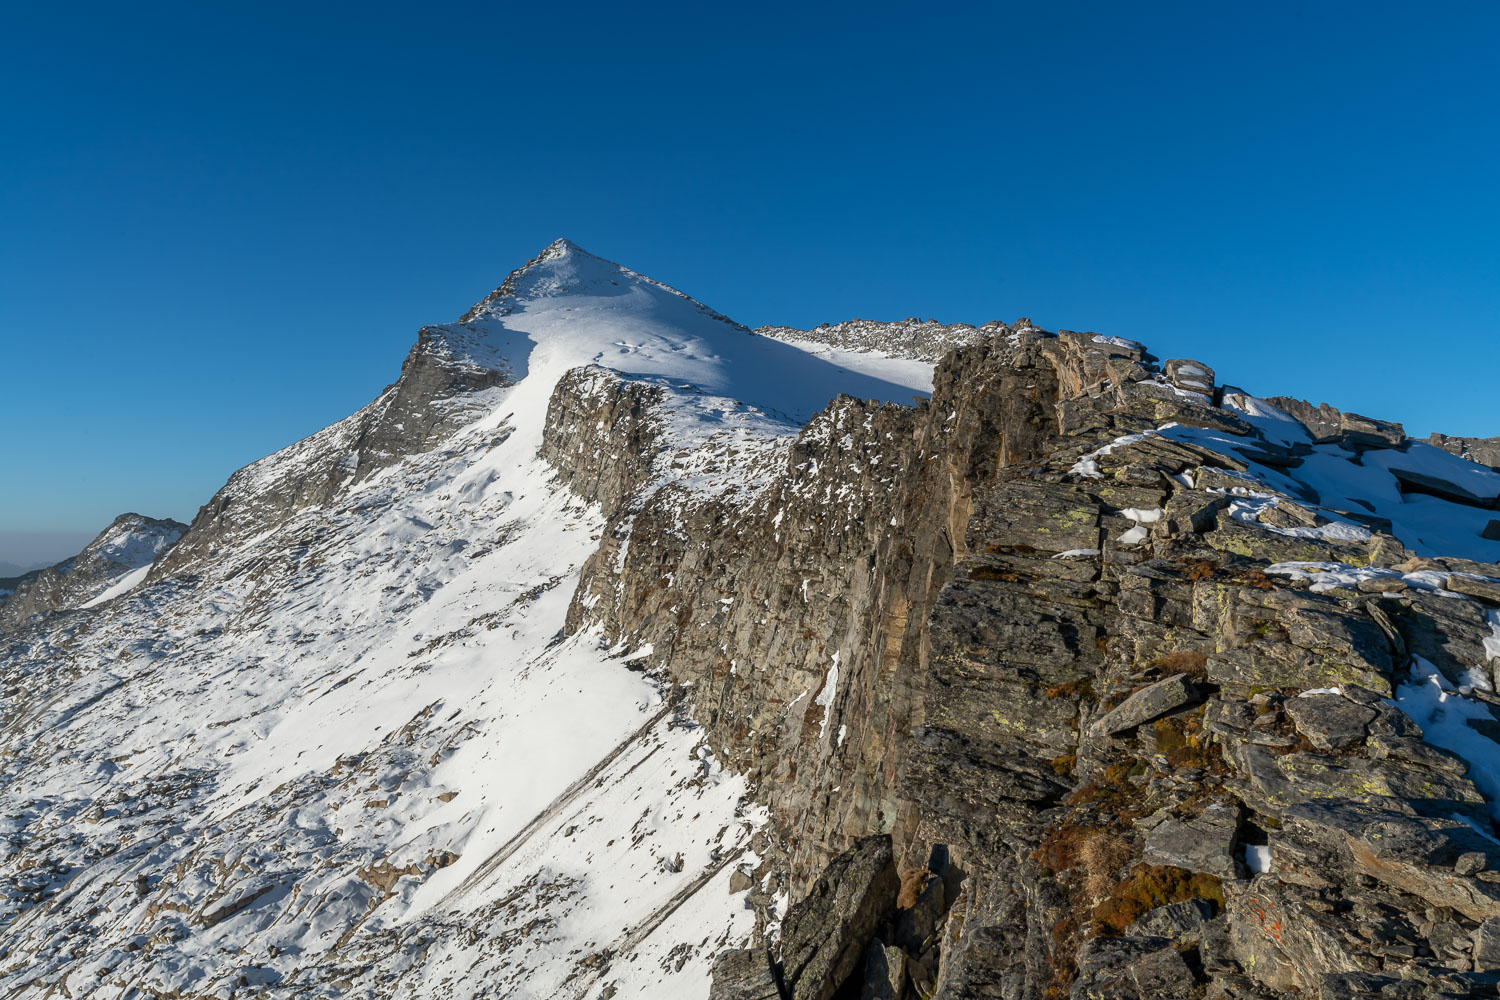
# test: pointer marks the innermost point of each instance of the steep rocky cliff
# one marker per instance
(1125, 666)
(608, 653)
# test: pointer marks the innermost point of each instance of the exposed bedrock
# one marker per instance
(1055, 681)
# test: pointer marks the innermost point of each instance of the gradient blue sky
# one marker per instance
(220, 228)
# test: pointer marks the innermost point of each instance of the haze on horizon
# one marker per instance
(223, 234)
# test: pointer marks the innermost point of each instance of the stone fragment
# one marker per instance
(1162, 974)
(1485, 589)
(1202, 844)
(1487, 946)
(1329, 721)
(1370, 432)
(744, 974)
(1191, 376)
(1145, 705)
(825, 935)
(1182, 922)
(1287, 514)
(1491, 531)
(1471, 863)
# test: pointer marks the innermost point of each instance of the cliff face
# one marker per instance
(1134, 711)
(603, 656)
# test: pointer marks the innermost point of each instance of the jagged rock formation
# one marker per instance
(1483, 451)
(1069, 625)
(110, 564)
(1087, 676)
(922, 339)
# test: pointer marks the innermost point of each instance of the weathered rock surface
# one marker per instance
(1482, 451)
(1020, 638)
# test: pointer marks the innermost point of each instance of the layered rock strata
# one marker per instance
(1118, 748)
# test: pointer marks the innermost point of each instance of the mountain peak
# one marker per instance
(560, 247)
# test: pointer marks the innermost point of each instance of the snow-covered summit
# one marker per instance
(567, 308)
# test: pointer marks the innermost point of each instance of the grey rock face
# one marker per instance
(1483, 451)
(825, 935)
(1016, 680)
(1202, 844)
(924, 340)
(1089, 729)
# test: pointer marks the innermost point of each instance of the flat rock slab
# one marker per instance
(1202, 844)
(1145, 705)
(1485, 589)
(1329, 721)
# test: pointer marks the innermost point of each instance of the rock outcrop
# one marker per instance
(1023, 627)
(1483, 451)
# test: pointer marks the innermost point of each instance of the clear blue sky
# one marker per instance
(221, 225)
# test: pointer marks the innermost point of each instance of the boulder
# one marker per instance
(1202, 844)
(1145, 705)
(825, 935)
(1190, 376)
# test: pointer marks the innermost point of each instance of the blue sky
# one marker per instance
(220, 227)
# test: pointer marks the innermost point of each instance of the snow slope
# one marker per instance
(351, 754)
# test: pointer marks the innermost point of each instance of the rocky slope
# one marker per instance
(114, 562)
(605, 649)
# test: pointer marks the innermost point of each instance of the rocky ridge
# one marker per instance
(1112, 682)
(922, 339)
(131, 543)
(1088, 676)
